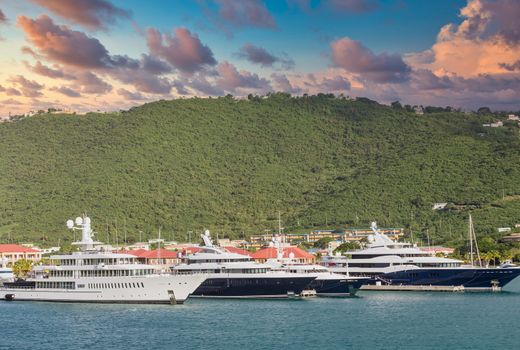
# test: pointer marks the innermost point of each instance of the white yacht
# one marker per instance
(234, 275)
(404, 264)
(90, 275)
(6, 273)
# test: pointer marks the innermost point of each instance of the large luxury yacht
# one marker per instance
(400, 263)
(234, 275)
(91, 275)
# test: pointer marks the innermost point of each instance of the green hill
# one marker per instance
(231, 165)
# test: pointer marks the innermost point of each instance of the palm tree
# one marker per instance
(486, 258)
(22, 267)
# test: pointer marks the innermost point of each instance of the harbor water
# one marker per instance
(374, 320)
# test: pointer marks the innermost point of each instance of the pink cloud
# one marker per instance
(93, 14)
(231, 79)
(66, 91)
(183, 50)
(261, 56)
(129, 95)
(3, 18)
(61, 44)
(42, 69)
(352, 56)
(246, 13)
(29, 88)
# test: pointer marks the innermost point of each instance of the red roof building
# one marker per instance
(294, 253)
(154, 257)
(11, 253)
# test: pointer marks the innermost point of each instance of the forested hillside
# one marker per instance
(230, 165)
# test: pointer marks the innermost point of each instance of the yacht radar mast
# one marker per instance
(206, 237)
(83, 224)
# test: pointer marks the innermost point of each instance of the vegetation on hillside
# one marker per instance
(230, 165)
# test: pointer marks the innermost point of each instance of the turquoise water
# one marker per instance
(375, 320)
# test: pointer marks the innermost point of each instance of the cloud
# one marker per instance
(487, 41)
(334, 84)
(352, 56)
(245, 13)
(29, 88)
(144, 81)
(184, 50)
(92, 14)
(231, 79)
(281, 83)
(42, 69)
(353, 6)
(66, 91)
(261, 56)
(154, 65)
(3, 18)
(11, 101)
(201, 84)
(424, 79)
(61, 44)
(26, 50)
(515, 66)
(91, 83)
(129, 95)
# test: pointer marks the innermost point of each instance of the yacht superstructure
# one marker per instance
(6, 273)
(234, 275)
(404, 264)
(90, 275)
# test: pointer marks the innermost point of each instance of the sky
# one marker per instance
(102, 55)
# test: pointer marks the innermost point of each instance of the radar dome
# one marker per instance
(79, 221)
(70, 224)
(87, 220)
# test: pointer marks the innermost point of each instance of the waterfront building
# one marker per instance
(346, 235)
(11, 253)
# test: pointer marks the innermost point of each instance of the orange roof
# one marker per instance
(237, 250)
(15, 248)
(162, 253)
(191, 250)
(271, 253)
(140, 253)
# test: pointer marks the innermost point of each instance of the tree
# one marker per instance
(347, 246)
(322, 243)
(396, 105)
(484, 110)
(22, 267)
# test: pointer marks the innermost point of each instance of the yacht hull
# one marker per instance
(335, 287)
(164, 289)
(478, 278)
(252, 287)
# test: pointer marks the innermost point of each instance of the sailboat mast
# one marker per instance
(471, 239)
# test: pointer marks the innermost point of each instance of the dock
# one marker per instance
(426, 288)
